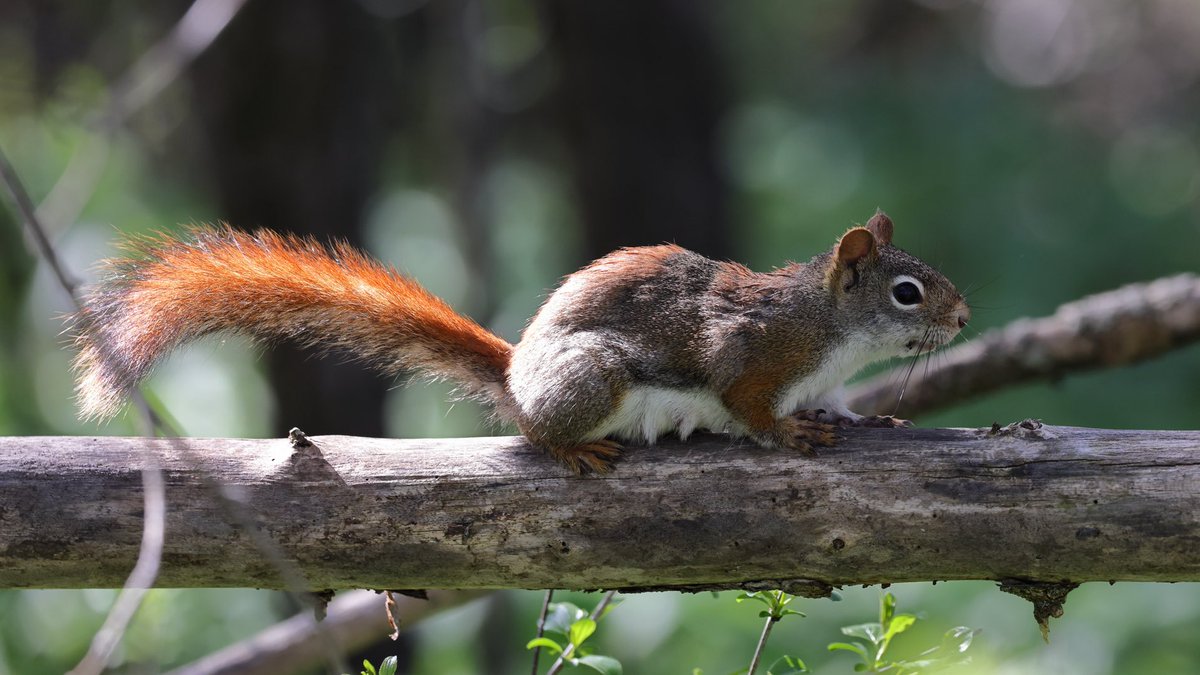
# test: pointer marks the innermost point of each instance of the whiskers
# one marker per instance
(911, 368)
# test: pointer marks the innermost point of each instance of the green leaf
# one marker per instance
(581, 630)
(953, 647)
(871, 632)
(757, 596)
(899, 624)
(960, 637)
(368, 668)
(918, 665)
(561, 616)
(792, 666)
(605, 665)
(791, 611)
(847, 647)
(388, 667)
(887, 608)
(544, 642)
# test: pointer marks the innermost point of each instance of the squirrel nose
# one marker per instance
(963, 314)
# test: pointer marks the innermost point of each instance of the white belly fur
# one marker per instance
(647, 412)
(824, 387)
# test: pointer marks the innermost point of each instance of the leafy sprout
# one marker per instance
(876, 637)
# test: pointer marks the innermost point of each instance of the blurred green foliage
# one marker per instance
(1033, 170)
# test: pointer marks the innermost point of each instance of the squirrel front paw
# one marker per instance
(853, 420)
(798, 433)
(880, 422)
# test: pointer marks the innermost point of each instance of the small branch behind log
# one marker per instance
(354, 620)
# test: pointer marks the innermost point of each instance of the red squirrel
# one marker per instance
(642, 342)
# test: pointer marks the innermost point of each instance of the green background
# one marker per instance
(1035, 151)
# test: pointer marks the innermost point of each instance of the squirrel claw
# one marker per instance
(594, 457)
(844, 421)
(802, 434)
(879, 422)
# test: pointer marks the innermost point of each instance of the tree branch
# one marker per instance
(354, 620)
(1029, 502)
(1130, 324)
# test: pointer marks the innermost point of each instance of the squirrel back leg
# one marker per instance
(593, 457)
(563, 391)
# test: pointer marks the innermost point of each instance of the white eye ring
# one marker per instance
(903, 278)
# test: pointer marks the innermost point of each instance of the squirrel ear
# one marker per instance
(880, 226)
(857, 244)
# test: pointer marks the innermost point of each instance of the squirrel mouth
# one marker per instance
(923, 346)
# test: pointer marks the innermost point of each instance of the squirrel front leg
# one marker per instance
(751, 398)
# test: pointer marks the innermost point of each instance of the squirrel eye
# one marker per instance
(906, 293)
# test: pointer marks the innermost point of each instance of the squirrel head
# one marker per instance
(904, 305)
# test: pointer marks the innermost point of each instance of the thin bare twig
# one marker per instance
(594, 616)
(37, 231)
(762, 642)
(772, 619)
(158, 67)
(140, 579)
(28, 215)
(541, 627)
(145, 571)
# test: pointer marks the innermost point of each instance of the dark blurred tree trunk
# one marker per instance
(17, 267)
(641, 95)
(290, 99)
(466, 137)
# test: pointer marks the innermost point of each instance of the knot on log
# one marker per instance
(298, 438)
(1028, 429)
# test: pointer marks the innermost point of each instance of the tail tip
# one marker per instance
(97, 396)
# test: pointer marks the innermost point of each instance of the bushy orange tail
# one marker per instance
(270, 287)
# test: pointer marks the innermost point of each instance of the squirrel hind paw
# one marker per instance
(593, 457)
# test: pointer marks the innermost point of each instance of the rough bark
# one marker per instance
(1039, 503)
(1119, 327)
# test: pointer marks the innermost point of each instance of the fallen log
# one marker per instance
(1026, 501)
